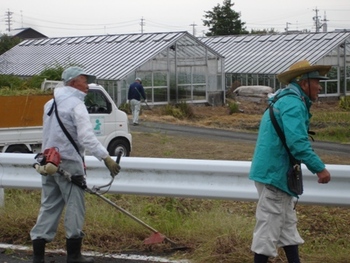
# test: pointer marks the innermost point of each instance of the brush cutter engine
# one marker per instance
(48, 161)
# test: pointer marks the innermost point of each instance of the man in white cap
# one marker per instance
(68, 108)
(276, 221)
(136, 93)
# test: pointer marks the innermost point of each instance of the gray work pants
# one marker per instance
(57, 193)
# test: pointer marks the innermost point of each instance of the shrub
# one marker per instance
(52, 73)
(180, 111)
(344, 103)
(186, 109)
(10, 81)
(125, 107)
(168, 109)
(13, 82)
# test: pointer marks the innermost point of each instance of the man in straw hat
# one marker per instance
(276, 221)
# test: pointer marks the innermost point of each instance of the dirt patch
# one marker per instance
(248, 118)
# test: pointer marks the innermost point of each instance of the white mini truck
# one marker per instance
(109, 123)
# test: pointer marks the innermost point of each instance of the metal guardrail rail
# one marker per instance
(189, 178)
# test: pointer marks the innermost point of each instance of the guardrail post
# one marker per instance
(2, 197)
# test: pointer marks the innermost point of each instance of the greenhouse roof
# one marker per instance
(109, 57)
(272, 54)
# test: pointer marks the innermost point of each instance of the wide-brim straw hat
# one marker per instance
(302, 67)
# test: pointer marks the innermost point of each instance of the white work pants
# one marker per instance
(135, 109)
(276, 221)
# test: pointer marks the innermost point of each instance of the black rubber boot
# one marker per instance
(74, 252)
(39, 250)
(259, 258)
(292, 253)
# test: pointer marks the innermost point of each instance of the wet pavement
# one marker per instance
(10, 255)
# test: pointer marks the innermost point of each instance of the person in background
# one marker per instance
(135, 95)
(57, 191)
(276, 221)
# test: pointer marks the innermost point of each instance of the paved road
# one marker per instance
(217, 134)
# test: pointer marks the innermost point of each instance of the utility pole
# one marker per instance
(21, 19)
(317, 21)
(287, 26)
(142, 23)
(324, 25)
(193, 28)
(8, 19)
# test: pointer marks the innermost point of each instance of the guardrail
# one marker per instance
(209, 179)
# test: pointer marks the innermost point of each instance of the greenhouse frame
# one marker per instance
(257, 59)
(174, 67)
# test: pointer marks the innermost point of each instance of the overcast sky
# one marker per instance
(98, 17)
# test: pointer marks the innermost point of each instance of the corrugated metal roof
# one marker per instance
(109, 57)
(272, 54)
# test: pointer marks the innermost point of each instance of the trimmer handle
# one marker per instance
(118, 157)
(95, 189)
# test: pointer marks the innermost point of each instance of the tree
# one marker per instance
(263, 31)
(8, 42)
(223, 20)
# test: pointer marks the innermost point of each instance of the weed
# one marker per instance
(233, 107)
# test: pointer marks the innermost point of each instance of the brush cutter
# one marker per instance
(48, 163)
(144, 99)
(147, 105)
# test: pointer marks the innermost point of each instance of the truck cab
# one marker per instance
(110, 124)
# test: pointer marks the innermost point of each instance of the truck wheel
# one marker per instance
(119, 145)
(17, 149)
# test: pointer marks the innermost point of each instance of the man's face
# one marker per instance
(311, 88)
(80, 83)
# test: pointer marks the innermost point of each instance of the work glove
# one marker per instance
(112, 166)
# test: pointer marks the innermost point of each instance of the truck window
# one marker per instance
(96, 102)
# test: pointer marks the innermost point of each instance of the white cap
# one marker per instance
(73, 72)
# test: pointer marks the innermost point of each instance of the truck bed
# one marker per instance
(22, 111)
(17, 135)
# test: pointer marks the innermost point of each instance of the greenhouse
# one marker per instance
(174, 67)
(177, 67)
(257, 59)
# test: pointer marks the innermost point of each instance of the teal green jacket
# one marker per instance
(270, 160)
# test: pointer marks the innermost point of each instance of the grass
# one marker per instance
(214, 230)
(5, 91)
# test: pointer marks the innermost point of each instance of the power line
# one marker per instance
(78, 24)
